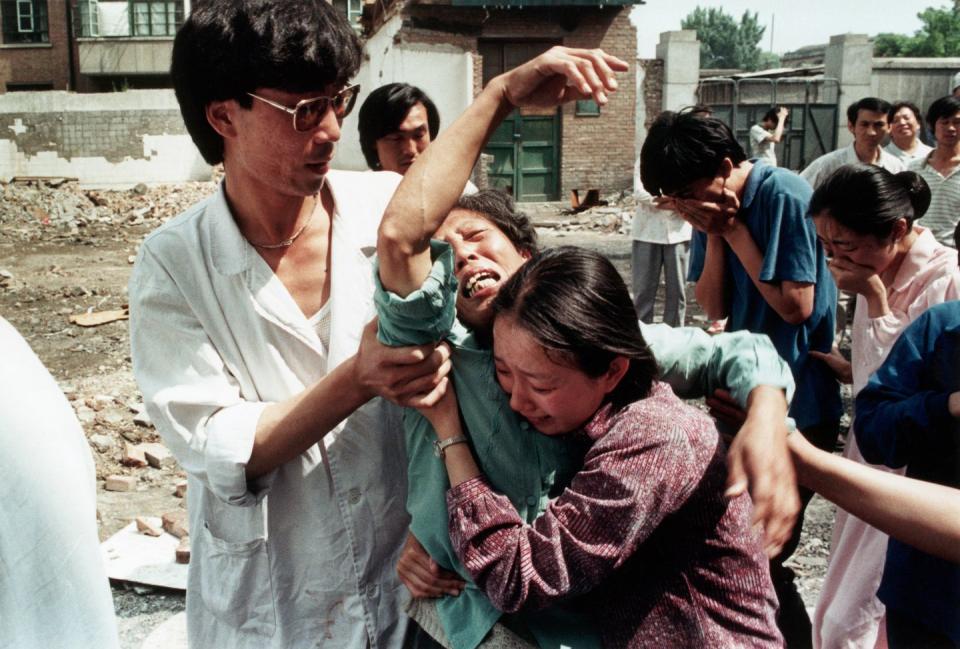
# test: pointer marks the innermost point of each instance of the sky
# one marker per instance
(795, 22)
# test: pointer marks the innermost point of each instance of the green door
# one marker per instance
(526, 146)
(526, 156)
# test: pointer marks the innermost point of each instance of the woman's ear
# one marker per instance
(900, 229)
(615, 372)
(220, 117)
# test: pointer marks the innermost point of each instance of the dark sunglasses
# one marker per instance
(308, 113)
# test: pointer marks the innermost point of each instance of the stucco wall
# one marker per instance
(443, 71)
(102, 139)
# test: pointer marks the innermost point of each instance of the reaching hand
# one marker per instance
(409, 376)
(840, 365)
(953, 403)
(421, 574)
(782, 113)
(758, 461)
(559, 75)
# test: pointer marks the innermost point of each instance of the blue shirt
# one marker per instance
(774, 209)
(529, 468)
(903, 420)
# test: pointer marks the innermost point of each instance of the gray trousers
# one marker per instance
(648, 258)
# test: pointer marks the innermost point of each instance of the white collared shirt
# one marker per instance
(821, 168)
(652, 224)
(304, 556)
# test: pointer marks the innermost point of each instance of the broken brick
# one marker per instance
(183, 550)
(133, 456)
(144, 526)
(157, 455)
(120, 483)
(180, 489)
(175, 523)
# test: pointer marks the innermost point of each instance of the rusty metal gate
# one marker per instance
(811, 128)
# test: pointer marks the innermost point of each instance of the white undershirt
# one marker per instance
(320, 321)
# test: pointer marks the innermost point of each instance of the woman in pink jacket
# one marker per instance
(864, 217)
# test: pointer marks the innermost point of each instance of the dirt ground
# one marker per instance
(65, 251)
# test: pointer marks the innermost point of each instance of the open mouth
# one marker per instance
(479, 281)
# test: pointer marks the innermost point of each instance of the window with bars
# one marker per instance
(155, 17)
(24, 21)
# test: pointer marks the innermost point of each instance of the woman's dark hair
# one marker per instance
(383, 112)
(870, 200)
(942, 108)
(684, 147)
(575, 304)
(896, 106)
(498, 207)
(227, 48)
(872, 104)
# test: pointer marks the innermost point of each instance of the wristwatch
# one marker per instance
(440, 446)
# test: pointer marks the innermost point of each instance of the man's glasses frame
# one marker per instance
(308, 113)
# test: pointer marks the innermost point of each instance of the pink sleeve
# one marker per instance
(615, 502)
(876, 336)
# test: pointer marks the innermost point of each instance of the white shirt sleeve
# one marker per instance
(189, 392)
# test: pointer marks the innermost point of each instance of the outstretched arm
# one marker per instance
(434, 183)
(922, 514)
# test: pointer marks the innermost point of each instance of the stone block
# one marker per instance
(120, 483)
(176, 523)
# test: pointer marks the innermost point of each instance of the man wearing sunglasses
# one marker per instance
(247, 317)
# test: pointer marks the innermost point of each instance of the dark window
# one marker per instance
(155, 17)
(24, 21)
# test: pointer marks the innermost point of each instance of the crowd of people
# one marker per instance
(407, 425)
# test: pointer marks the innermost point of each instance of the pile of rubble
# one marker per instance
(32, 209)
(613, 214)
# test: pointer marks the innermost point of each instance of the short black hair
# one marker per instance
(944, 107)
(771, 115)
(873, 104)
(684, 147)
(384, 110)
(577, 306)
(498, 207)
(227, 48)
(897, 105)
(870, 200)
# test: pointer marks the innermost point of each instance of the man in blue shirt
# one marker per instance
(756, 260)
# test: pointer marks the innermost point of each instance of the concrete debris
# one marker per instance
(157, 455)
(29, 207)
(145, 526)
(176, 523)
(102, 443)
(120, 483)
(183, 550)
(97, 318)
(180, 489)
(133, 456)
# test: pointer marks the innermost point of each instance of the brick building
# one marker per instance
(35, 50)
(538, 156)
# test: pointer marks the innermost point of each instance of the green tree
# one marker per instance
(939, 35)
(725, 42)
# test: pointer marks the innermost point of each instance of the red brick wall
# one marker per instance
(46, 63)
(595, 151)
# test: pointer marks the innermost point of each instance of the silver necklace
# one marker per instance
(286, 243)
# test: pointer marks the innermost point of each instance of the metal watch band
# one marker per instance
(440, 447)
